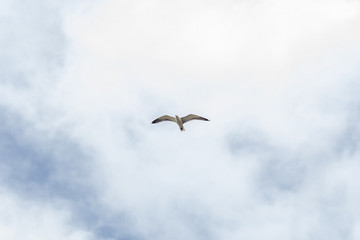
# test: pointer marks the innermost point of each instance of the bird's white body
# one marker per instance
(180, 121)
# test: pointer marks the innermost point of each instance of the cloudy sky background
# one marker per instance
(81, 81)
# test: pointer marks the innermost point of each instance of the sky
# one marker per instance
(81, 82)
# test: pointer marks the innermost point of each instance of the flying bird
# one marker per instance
(178, 120)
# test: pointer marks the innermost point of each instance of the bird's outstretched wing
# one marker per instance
(164, 118)
(193, 117)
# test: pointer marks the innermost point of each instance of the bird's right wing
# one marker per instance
(192, 117)
(164, 118)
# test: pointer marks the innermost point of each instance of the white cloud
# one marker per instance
(280, 167)
(20, 219)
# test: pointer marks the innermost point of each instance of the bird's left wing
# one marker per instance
(193, 117)
(164, 118)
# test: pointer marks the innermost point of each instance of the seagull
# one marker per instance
(178, 120)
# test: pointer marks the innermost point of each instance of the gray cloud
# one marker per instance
(40, 169)
(39, 165)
